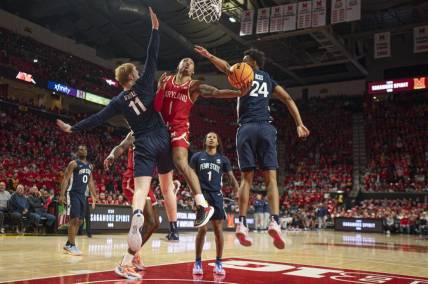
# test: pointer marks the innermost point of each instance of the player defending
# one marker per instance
(77, 177)
(152, 141)
(175, 98)
(209, 166)
(256, 138)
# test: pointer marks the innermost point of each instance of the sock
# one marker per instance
(275, 218)
(200, 200)
(127, 259)
(137, 211)
(69, 244)
(243, 220)
(173, 226)
(218, 259)
(198, 259)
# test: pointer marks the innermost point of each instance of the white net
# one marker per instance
(207, 11)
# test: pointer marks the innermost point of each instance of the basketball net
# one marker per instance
(207, 11)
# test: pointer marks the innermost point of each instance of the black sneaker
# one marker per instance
(203, 215)
(173, 236)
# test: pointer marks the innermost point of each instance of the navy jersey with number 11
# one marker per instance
(210, 169)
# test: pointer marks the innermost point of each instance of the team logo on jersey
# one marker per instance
(218, 161)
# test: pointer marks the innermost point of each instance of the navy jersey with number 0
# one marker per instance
(80, 178)
(254, 107)
(136, 105)
(210, 169)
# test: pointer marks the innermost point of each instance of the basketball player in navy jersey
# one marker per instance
(256, 138)
(152, 140)
(77, 177)
(210, 165)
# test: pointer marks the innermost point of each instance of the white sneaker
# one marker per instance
(134, 235)
(275, 232)
(127, 272)
(218, 269)
(242, 235)
(197, 268)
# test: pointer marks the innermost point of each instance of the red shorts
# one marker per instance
(179, 136)
(128, 189)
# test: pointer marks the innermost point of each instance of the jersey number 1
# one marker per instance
(259, 89)
(209, 175)
(136, 105)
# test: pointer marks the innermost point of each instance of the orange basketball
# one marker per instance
(240, 73)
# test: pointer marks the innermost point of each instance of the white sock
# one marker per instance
(200, 200)
(127, 259)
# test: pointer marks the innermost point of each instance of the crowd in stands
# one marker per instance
(396, 139)
(44, 62)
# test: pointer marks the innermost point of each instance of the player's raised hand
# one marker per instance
(302, 131)
(154, 18)
(108, 162)
(63, 126)
(162, 81)
(202, 51)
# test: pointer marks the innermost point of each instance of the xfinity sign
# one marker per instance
(62, 88)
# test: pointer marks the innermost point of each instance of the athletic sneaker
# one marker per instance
(203, 216)
(138, 263)
(173, 236)
(72, 250)
(197, 268)
(218, 268)
(275, 232)
(134, 236)
(242, 235)
(127, 272)
(177, 185)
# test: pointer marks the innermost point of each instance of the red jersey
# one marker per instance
(176, 103)
(130, 167)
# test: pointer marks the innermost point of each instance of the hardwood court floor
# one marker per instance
(30, 257)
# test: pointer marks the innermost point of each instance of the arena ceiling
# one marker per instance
(119, 28)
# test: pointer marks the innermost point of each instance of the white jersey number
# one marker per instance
(137, 105)
(259, 89)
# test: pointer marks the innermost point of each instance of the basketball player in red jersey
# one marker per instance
(151, 215)
(174, 100)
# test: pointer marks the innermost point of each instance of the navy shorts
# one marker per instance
(76, 205)
(256, 142)
(215, 199)
(151, 150)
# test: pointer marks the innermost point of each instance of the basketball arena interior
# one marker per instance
(214, 141)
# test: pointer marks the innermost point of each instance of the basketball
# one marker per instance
(240, 73)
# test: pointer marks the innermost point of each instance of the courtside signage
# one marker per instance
(398, 85)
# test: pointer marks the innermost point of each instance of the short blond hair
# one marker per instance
(122, 73)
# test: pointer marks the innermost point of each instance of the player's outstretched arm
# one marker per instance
(285, 98)
(118, 150)
(208, 91)
(146, 81)
(219, 63)
(92, 121)
(67, 175)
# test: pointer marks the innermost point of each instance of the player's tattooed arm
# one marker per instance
(118, 150)
(65, 181)
(219, 63)
(286, 99)
(208, 91)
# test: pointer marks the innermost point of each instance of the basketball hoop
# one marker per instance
(207, 11)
